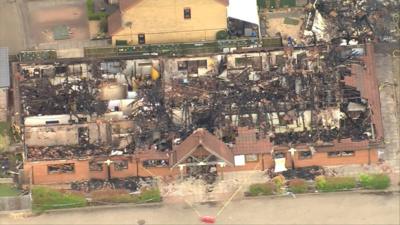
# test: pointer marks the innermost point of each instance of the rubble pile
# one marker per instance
(351, 22)
(132, 184)
(36, 153)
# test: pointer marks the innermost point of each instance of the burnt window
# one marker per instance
(334, 154)
(341, 154)
(182, 65)
(347, 153)
(155, 163)
(278, 155)
(187, 13)
(305, 155)
(141, 39)
(61, 168)
(251, 158)
(95, 166)
(121, 165)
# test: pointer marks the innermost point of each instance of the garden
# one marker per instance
(45, 198)
(278, 185)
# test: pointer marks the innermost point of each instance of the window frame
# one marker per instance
(251, 160)
(123, 168)
(141, 39)
(98, 163)
(61, 172)
(304, 158)
(187, 13)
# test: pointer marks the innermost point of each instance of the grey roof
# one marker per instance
(4, 68)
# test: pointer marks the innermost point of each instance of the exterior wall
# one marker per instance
(39, 174)
(3, 104)
(264, 162)
(322, 159)
(162, 21)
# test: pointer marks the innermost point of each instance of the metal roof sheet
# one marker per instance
(4, 68)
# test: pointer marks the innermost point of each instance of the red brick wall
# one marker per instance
(265, 161)
(37, 171)
(322, 159)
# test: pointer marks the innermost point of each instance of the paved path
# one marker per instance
(388, 74)
(334, 208)
(12, 32)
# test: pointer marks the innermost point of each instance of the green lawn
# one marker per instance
(5, 134)
(7, 190)
(46, 198)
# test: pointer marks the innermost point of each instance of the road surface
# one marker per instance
(334, 208)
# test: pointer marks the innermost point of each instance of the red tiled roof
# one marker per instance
(344, 145)
(246, 143)
(210, 143)
(152, 154)
(366, 82)
(114, 22)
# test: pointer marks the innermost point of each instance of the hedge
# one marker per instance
(261, 189)
(328, 184)
(374, 181)
(298, 186)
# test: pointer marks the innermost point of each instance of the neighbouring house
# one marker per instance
(167, 21)
(4, 83)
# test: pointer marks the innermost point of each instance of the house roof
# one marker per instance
(366, 82)
(244, 10)
(114, 22)
(247, 143)
(4, 68)
(210, 143)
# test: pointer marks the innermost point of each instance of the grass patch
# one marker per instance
(5, 135)
(291, 21)
(7, 190)
(261, 189)
(92, 15)
(329, 184)
(122, 196)
(298, 186)
(271, 42)
(374, 181)
(46, 198)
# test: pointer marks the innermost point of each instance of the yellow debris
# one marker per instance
(154, 74)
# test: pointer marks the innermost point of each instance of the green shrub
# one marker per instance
(47, 198)
(261, 4)
(298, 186)
(374, 181)
(261, 189)
(104, 25)
(279, 182)
(335, 183)
(92, 15)
(222, 35)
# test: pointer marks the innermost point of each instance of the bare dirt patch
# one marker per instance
(46, 15)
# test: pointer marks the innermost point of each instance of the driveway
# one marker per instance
(334, 208)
